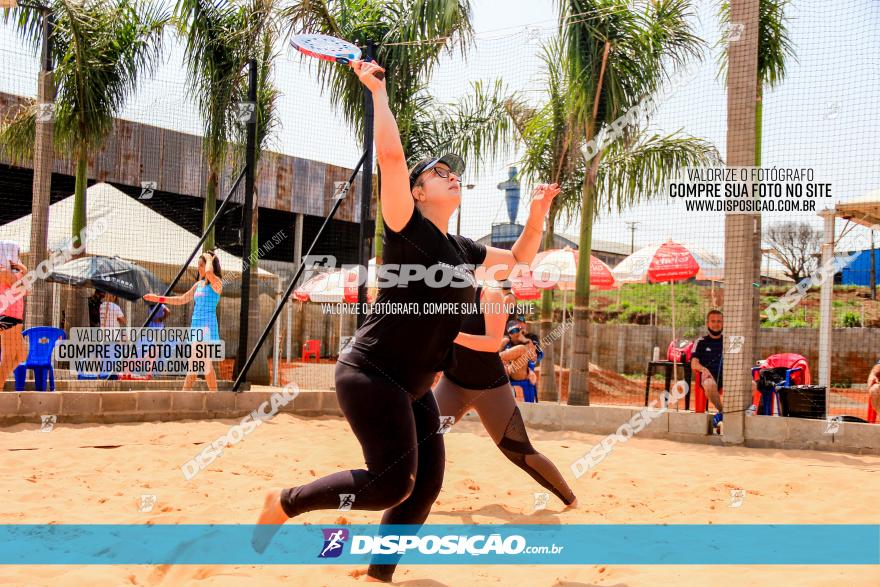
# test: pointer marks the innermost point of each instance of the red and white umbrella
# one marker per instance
(564, 262)
(524, 288)
(669, 262)
(329, 287)
(336, 286)
(557, 268)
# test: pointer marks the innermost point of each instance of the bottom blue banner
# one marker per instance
(90, 544)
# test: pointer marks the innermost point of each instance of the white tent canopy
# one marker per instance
(134, 231)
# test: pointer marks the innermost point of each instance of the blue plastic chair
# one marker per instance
(771, 399)
(41, 343)
(530, 392)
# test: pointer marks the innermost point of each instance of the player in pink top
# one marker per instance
(11, 319)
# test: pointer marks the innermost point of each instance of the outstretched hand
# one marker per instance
(542, 198)
(367, 73)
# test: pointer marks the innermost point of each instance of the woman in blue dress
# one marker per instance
(206, 293)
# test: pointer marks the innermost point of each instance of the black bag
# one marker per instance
(803, 401)
(768, 379)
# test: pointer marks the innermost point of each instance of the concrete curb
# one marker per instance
(110, 407)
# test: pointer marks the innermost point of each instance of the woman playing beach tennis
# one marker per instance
(206, 293)
(383, 379)
(476, 379)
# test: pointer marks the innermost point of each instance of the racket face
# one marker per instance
(326, 47)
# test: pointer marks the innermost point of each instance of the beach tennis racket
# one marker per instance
(329, 49)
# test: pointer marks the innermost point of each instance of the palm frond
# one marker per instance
(406, 33)
(631, 174)
(18, 132)
(476, 127)
(775, 47)
(647, 45)
(101, 49)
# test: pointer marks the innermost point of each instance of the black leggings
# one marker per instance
(502, 420)
(398, 432)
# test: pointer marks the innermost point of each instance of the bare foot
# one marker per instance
(270, 520)
(572, 506)
(357, 573)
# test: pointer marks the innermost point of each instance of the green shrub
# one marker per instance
(852, 320)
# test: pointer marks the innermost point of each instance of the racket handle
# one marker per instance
(344, 61)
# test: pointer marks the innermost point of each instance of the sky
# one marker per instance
(824, 115)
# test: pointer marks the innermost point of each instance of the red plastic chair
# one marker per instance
(701, 402)
(311, 348)
(798, 373)
(872, 414)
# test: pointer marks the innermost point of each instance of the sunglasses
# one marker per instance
(514, 330)
(443, 173)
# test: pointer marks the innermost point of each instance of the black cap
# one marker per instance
(455, 163)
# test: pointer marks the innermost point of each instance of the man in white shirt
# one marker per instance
(111, 313)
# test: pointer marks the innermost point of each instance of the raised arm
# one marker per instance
(513, 353)
(172, 300)
(491, 302)
(395, 196)
(215, 282)
(502, 261)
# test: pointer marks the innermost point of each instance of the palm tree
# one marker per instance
(221, 36)
(101, 48)
(619, 53)
(411, 35)
(550, 155)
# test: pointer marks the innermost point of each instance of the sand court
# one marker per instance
(78, 474)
